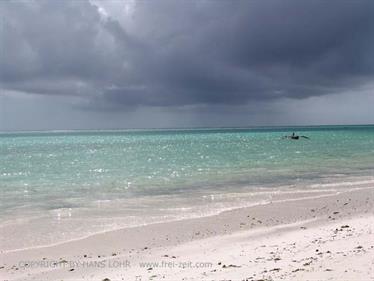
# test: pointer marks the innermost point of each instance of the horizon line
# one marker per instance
(182, 128)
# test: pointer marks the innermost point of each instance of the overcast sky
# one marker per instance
(135, 64)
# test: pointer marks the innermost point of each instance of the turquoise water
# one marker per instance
(127, 175)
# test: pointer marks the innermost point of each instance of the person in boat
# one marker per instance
(294, 137)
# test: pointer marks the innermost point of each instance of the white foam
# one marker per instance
(344, 183)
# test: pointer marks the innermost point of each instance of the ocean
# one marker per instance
(58, 186)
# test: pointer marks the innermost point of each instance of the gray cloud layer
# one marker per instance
(178, 53)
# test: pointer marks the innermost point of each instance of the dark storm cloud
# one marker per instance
(178, 53)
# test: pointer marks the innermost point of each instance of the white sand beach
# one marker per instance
(326, 237)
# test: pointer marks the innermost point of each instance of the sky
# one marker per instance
(185, 63)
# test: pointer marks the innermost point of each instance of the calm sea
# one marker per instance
(66, 185)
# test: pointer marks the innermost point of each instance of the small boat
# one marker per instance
(295, 137)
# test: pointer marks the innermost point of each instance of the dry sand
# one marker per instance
(328, 237)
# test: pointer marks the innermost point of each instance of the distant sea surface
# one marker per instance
(57, 186)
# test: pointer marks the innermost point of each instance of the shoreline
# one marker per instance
(134, 244)
(291, 195)
(254, 198)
